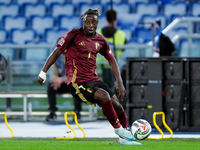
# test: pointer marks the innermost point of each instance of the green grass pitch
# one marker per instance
(96, 144)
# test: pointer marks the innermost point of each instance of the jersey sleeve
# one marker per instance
(64, 42)
(106, 51)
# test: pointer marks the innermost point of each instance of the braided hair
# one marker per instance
(90, 12)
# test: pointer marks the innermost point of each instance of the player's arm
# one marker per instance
(107, 53)
(50, 60)
(116, 71)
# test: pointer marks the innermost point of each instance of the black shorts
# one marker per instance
(85, 91)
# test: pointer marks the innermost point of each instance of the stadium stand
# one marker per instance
(130, 12)
(5, 1)
(57, 9)
(148, 19)
(108, 1)
(3, 36)
(147, 8)
(48, 2)
(63, 22)
(30, 9)
(194, 8)
(22, 36)
(178, 8)
(122, 8)
(52, 34)
(84, 7)
(9, 9)
(39, 24)
(21, 2)
(17, 22)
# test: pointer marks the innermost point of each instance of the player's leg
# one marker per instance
(121, 116)
(103, 97)
(77, 108)
(51, 94)
(92, 93)
(123, 120)
(120, 111)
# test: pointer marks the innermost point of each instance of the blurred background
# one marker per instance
(29, 30)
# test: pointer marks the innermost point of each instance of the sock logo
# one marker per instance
(116, 121)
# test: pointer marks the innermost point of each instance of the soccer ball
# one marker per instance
(141, 129)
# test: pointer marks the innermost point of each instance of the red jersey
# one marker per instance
(81, 54)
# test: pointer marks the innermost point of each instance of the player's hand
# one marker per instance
(40, 80)
(42, 77)
(121, 90)
(56, 82)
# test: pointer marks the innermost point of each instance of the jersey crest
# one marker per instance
(97, 45)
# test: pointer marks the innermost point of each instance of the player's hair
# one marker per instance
(111, 15)
(90, 12)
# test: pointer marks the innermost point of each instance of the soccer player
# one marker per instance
(82, 46)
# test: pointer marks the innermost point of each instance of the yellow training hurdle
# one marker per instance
(5, 119)
(164, 123)
(75, 119)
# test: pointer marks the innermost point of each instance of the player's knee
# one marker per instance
(102, 96)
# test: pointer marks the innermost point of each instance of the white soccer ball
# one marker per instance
(141, 129)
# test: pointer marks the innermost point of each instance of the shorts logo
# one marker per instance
(97, 45)
(61, 42)
(89, 90)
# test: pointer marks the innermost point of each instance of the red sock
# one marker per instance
(123, 119)
(111, 115)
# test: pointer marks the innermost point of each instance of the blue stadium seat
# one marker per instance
(35, 9)
(108, 1)
(84, 7)
(128, 20)
(76, 2)
(147, 8)
(133, 3)
(150, 19)
(10, 9)
(48, 2)
(194, 8)
(20, 2)
(62, 9)
(136, 1)
(143, 35)
(18, 22)
(122, 8)
(5, 1)
(3, 36)
(179, 8)
(21, 36)
(69, 22)
(39, 24)
(52, 35)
